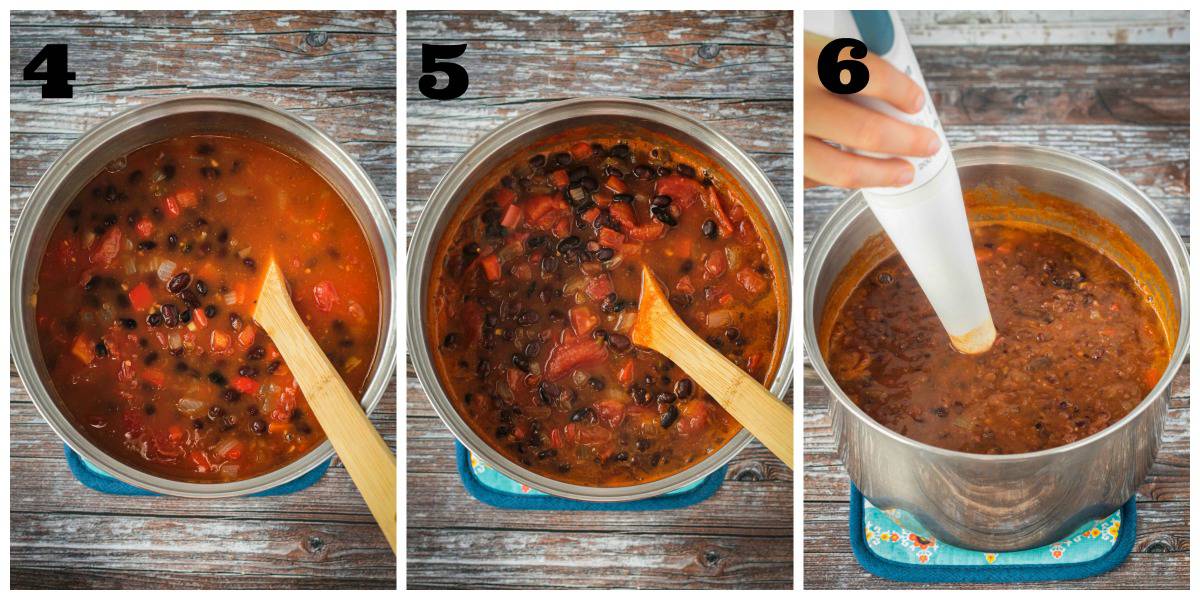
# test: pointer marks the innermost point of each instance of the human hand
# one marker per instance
(831, 118)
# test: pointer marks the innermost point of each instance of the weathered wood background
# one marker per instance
(735, 72)
(1007, 77)
(336, 70)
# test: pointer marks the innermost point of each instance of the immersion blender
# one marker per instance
(926, 219)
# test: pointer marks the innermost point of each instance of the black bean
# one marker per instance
(686, 170)
(668, 418)
(210, 311)
(101, 349)
(660, 201)
(231, 395)
(217, 378)
(185, 317)
(179, 283)
(528, 317)
(258, 426)
(450, 341)
(147, 245)
(577, 173)
(201, 287)
(665, 398)
(128, 323)
(172, 240)
(537, 161)
(257, 352)
(235, 321)
(170, 315)
(664, 216)
(619, 342)
(568, 243)
(249, 262)
(604, 254)
(562, 159)
(622, 198)
(210, 172)
(274, 366)
(596, 383)
(639, 395)
(732, 333)
(581, 414)
(247, 371)
(532, 349)
(642, 172)
(619, 151)
(519, 361)
(150, 358)
(709, 229)
(683, 388)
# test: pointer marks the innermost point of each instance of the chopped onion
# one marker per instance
(130, 266)
(166, 269)
(174, 340)
(579, 377)
(225, 446)
(220, 196)
(231, 298)
(244, 252)
(189, 406)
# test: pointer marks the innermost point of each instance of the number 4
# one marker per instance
(56, 74)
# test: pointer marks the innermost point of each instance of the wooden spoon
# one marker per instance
(371, 465)
(658, 327)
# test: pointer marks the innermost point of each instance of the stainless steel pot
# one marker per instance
(1005, 502)
(138, 127)
(514, 137)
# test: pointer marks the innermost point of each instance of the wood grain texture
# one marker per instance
(733, 70)
(335, 70)
(1124, 106)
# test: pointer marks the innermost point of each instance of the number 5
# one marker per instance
(457, 75)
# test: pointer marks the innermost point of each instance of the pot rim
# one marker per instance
(422, 246)
(47, 189)
(993, 154)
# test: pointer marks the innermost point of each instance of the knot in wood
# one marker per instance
(316, 39)
(709, 51)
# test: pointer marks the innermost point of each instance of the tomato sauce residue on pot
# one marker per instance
(145, 294)
(536, 285)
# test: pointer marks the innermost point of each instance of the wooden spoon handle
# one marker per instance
(756, 408)
(370, 462)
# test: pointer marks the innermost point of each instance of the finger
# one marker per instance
(844, 122)
(890, 85)
(828, 165)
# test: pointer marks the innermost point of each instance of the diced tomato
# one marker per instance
(145, 227)
(220, 341)
(599, 286)
(591, 214)
(753, 361)
(512, 217)
(616, 184)
(84, 349)
(246, 336)
(491, 267)
(725, 300)
(752, 281)
(610, 412)
(199, 318)
(693, 416)
(610, 238)
(504, 197)
(568, 356)
(583, 320)
(684, 191)
(203, 465)
(234, 451)
(154, 377)
(125, 373)
(685, 285)
(325, 295)
(245, 385)
(713, 200)
(175, 433)
(556, 438)
(186, 198)
(625, 375)
(581, 150)
(140, 297)
(171, 206)
(632, 249)
(560, 178)
(523, 271)
(592, 435)
(622, 213)
(562, 227)
(107, 250)
(649, 231)
(715, 264)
